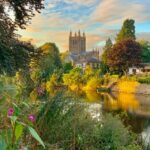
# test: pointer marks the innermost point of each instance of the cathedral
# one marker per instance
(78, 54)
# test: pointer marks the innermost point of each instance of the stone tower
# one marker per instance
(77, 43)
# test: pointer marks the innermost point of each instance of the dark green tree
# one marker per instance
(14, 54)
(67, 67)
(127, 30)
(145, 51)
(123, 55)
(107, 47)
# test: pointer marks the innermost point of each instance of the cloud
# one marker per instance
(114, 11)
(100, 19)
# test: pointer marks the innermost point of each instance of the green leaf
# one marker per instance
(13, 118)
(2, 144)
(27, 105)
(18, 131)
(15, 105)
(36, 136)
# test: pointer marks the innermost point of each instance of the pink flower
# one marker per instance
(32, 118)
(40, 91)
(10, 112)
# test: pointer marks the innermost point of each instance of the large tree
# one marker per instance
(127, 30)
(124, 54)
(15, 14)
(46, 62)
(22, 11)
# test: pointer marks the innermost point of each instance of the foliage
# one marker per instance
(67, 67)
(47, 62)
(74, 79)
(23, 82)
(23, 10)
(127, 86)
(63, 121)
(127, 30)
(14, 133)
(93, 84)
(15, 56)
(52, 83)
(13, 53)
(144, 79)
(106, 48)
(145, 51)
(123, 55)
(113, 135)
(104, 67)
(88, 73)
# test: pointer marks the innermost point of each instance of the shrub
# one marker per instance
(65, 122)
(144, 80)
(113, 135)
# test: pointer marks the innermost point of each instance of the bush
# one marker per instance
(65, 122)
(113, 135)
(144, 80)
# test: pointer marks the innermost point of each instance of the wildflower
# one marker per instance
(10, 112)
(32, 118)
(40, 91)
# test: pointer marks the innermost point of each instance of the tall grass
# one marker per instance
(64, 122)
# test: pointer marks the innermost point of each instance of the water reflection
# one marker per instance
(123, 101)
(134, 104)
(137, 107)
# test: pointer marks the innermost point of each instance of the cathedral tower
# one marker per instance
(77, 43)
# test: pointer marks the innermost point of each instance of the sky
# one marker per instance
(99, 19)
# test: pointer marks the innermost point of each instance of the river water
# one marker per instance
(137, 108)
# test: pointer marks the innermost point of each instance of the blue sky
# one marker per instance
(100, 19)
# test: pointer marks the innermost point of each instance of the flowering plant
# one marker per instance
(19, 129)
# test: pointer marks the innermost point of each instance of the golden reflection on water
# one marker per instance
(118, 101)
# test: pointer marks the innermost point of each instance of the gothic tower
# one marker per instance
(77, 43)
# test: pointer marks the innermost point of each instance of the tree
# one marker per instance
(46, 63)
(12, 51)
(74, 79)
(23, 11)
(145, 51)
(67, 67)
(107, 47)
(123, 55)
(127, 30)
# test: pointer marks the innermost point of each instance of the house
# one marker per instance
(144, 68)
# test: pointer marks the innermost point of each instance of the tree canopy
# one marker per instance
(22, 10)
(107, 47)
(145, 51)
(46, 62)
(124, 54)
(127, 30)
(15, 54)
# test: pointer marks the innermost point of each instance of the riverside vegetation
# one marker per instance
(38, 109)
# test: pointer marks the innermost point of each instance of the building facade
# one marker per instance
(77, 43)
(78, 54)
